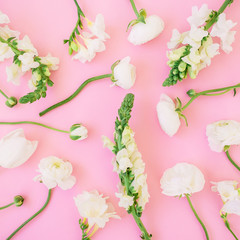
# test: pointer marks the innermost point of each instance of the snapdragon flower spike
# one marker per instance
(192, 51)
(169, 113)
(17, 201)
(133, 189)
(123, 75)
(11, 101)
(76, 132)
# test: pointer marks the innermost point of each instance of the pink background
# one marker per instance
(48, 23)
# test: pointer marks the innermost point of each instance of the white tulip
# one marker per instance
(94, 207)
(78, 132)
(124, 74)
(51, 62)
(55, 172)
(144, 32)
(223, 133)
(4, 18)
(27, 60)
(15, 149)
(167, 116)
(14, 73)
(183, 178)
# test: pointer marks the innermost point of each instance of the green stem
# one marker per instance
(221, 10)
(134, 8)
(37, 213)
(6, 206)
(34, 123)
(196, 215)
(231, 160)
(14, 49)
(74, 94)
(224, 90)
(80, 12)
(4, 94)
(228, 225)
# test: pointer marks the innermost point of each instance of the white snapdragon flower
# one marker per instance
(15, 149)
(107, 143)
(138, 167)
(124, 73)
(183, 178)
(176, 54)
(78, 132)
(144, 196)
(55, 172)
(4, 18)
(51, 62)
(176, 39)
(222, 29)
(5, 52)
(193, 59)
(223, 133)
(6, 33)
(167, 116)
(144, 32)
(125, 200)
(14, 73)
(123, 160)
(199, 16)
(27, 60)
(26, 45)
(232, 207)
(94, 207)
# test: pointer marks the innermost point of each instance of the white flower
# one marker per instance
(176, 54)
(94, 207)
(98, 27)
(125, 200)
(167, 116)
(78, 132)
(107, 143)
(94, 45)
(222, 29)
(124, 74)
(226, 189)
(4, 18)
(15, 149)
(232, 206)
(223, 133)
(195, 36)
(84, 55)
(123, 160)
(183, 178)
(55, 172)
(51, 62)
(144, 32)
(193, 59)
(14, 74)
(199, 17)
(176, 39)
(143, 196)
(32, 83)
(5, 52)
(6, 32)
(26, 45)
(28, 62)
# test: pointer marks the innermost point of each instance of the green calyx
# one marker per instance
(112, 68)
(141, 16)
(11, 102)
(74, 127)
(18, 200)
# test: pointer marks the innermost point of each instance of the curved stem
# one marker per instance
(221, 10)
(134, 8)
(228, 225)
(80, 12)
(38, 212)
(74, 94)
(231, 160)
(206, 93)
(196, 215)
(6, 206)
(34, 123)
(4, 94)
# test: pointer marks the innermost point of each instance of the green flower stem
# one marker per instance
(217, 91)
(1, 208)
(37, 213)
(221, 10)
(231, 160)
(224, 216)
(4, 94)
(145, 234)
(80, 12)
(33, 123)
(14, 49)
(75, 93)
(134, 8)
(196, 215)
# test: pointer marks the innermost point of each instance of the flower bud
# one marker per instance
(182, 66)
(11, 102)
(74, 46)
(37, 75)
(47, 72)
(191, 93)
(18, 200)
(78, 132)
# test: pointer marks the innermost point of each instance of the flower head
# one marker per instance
(26, 45)
(176, 39)
(6, 33)
(5, 52)
(15, 149)
(144, 32)
(4, 18)
(51, 62)
(183, 178)
(14, 73)
(78, 132)
(55, 172)
(28, 62)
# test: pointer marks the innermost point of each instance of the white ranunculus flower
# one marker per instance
(15, 149)
(123, 160)
(26, 45)
(14, 73)
(125, 200)
(55, 172)
(6, 32)
(98, 27)
(183, 178)
(27, 60)
(78, 132)
(226, 189)
(125, 73)
(5, 52)
(94, 207)
(107, 143)
(144, 32)
(232, 206)
(223, 133)
(222, 29)
(4, 18)
(51, 62)
(167, 116)
(199, 17)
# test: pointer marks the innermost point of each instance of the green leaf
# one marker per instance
(65, 41)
